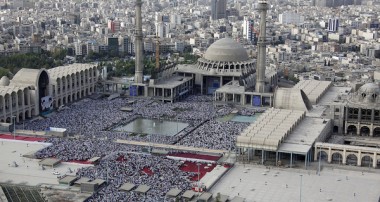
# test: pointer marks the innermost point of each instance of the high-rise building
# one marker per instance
(333, 24)
(218, 9)
(290, 18)
(335, 3)
(248, 29)
(113, 46)
(162, 29)
(111, 26)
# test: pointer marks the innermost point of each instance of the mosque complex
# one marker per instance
(309, 122)
(296, 118)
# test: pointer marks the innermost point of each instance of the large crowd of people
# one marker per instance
(92, 123)
(214, 135)
(119, 168)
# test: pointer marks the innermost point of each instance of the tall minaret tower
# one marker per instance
(139, 45)
(261, 44)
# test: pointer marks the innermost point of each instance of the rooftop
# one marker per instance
(171, 82)
(303, 136)
(314, 89)
(270, 129)
(60, 71)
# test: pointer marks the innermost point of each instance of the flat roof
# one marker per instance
(188, 194)
(142, 188)
(173, 192)
(82, 180)
(232, 87)
(222, 198)
(171, 82)
(127, 187)
(304, 135)
(67, 179)
(96, 181)
(270, 129)
(332, 95)
(49, 162)
(205, 196)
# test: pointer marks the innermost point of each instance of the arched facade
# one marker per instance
(347, 154)
(21, 97)
(360, 115)
(73, 84)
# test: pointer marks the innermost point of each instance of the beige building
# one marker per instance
(360, 113)
(36, 91)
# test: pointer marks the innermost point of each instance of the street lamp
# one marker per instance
(319, 162)
(301, 189)
(177, 125)
(14, 126)
(198, 164)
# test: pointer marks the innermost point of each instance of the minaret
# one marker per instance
(138, 45)
(261, 44)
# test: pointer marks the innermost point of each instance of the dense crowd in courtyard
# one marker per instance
(162, 175)
(92, 121)
(214, 135)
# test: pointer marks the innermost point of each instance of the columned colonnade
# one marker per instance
(347, 154)
(70, 86)
(16, 101)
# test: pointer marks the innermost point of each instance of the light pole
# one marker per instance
(198, 164)
(14, 127)
(301, 189)
(319, 162)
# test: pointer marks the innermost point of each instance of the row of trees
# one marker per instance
(9, 65)
(119, 67)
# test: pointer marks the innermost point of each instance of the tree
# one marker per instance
(59, 54)
(3, 72)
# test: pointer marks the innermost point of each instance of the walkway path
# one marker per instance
(168, 146)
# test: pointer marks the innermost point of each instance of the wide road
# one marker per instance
(168, 146)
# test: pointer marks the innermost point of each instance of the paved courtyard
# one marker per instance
(262, 185)
(28, 171)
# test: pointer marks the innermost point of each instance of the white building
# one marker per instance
(248, 29)
(290, 18)
(35, 91)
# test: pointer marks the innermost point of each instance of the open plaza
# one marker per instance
(201, 155)
(17, 169)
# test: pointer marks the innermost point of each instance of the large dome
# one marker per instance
(226, 50)
(368, 93)
(369, 89)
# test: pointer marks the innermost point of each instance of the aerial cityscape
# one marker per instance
(190, 100)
